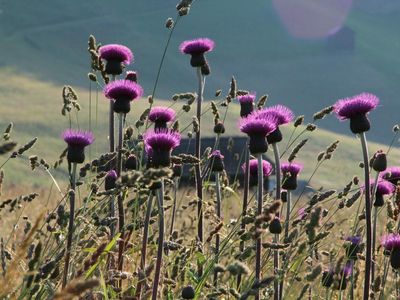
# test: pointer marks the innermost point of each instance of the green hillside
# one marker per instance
(48, 38)
(34, 108)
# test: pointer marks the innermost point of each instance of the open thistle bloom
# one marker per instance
(160, 116)
(353, 247)
(122, 92)
(109, 181)
(384, 188)
(77, 140)
(161, 142)
(253, 165)
(257, 129)
(217, 161)
(356, 109)
(391, 244)
(196, 48)
(116, 56)
(290, 172)
(392, 174)
(246, 104)
(283, 115)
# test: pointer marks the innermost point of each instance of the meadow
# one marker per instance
(92, 206)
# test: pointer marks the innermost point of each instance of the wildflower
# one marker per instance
(196, 48)
(391, 244)
(392, 174)
(217, 161)
(290, 172)
(116, 57)
(353, 246)
(253, 165)
(122, 92)
(160, 116)
(77, 140)
(131, 162)
(109, 181)
(275, 226)
(246, 104)
(356, 109)
(343, 275)
(283, 115)
(379, 162)
(159, 143)
(219, 128)
(384, 188)
(257, 129)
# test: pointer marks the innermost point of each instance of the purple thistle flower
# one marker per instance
(356, 109)
(353, 247)
(348, 269)
(161, 116)
(123, 92)
(257, 129)
(246, 104)
(391, 241)
(196, 48)
(217, 161)
(77, 140)
(116, 52)
(253, 170)
(161, 142)
(290, 172)
(356, 240)
(281, 113)
(115, 55)
(109, 181)
(391, 174)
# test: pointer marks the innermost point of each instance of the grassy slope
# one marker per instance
(34, 107)
(48, 39)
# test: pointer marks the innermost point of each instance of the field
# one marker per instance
(121, 225)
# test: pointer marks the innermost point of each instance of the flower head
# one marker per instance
(161, 115)
(216, 153)
(217, 161)
(254, 125)
(356, 240)
(391, 241)
(391, 174)
(248, 98)
(162, 139)
(112, 174)
(77, 138)
(253, 164)
(116, 52)
(354, 106)
(123, 90)
(197, 46)
(292, 168)
(281, 113)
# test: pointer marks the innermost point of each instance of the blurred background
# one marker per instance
(305, 54)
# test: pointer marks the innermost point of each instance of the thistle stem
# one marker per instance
(144, 244)
(176, 183)
(111, 125)
(374, 228)
(218, 211)
(245, 200)
(121, 213)
(70, 225)
(368, 249)
(287, 221)
(277, 287)
(259, 212)
(199, 182)
(160, 200)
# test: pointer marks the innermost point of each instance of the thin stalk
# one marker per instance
(111, 124)
(374, 228)
(245, 201)
(144, 244)
(288, 204)
(218, 211)
(160, 245)
(277, 287)
(70, 225)
(121, 213)
(199, 182)
(385, 274)
(352, 281)
(368, 249)
(176, 183)
(259, 212)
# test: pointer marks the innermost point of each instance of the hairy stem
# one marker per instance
(70, 225)
(368, 248)
(176, 184)
(218, 211)
(259, 212)
(121, 213)
(160, 245)
(199, 181)
(277, 287)
(374, 228)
